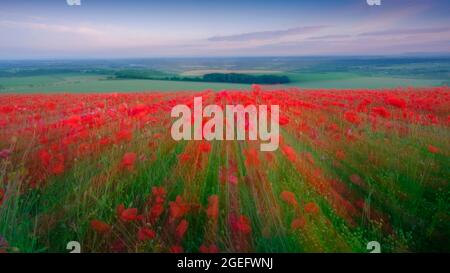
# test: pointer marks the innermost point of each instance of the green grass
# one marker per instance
(53, 84)
(80, 83)
(352, 80)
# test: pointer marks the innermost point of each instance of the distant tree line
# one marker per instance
(211, 77)
(245, 78)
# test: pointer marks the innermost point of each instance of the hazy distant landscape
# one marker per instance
(172, 74)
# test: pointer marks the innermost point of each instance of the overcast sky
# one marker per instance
(151, 28)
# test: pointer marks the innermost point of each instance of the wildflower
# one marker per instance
(356, 179)
(118, 246)
(381, 111)
(58, 168)
(209, 249)
(181, 228)
(432, 149)
(178, 208)
(213, 207)
(124, 135)
(251, 157)
(205, 147)
(241, 224)
(289, 152)
(283, 120)
(104, 141)
(2, 196)
(311, 207)
(362, 107)
(298, 223)
(159, 191)
(228, 174)
(340, 155)
(100, 227)
(184, 157)
(397, 102)
(45, 157)
(127, 215)
(145, 234)
(128, 160)
(176, 249)
(120, 208)
(352, 117)
(156, 211)
(289, 198)
(5, 153)
(4, 245)
(73, 121)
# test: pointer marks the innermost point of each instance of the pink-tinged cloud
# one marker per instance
(409, 31)
(267, 35)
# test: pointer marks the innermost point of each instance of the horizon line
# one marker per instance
(419, 54)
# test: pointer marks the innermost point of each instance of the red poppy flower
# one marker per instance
(241, 224)
(289, 198)
(209, 249)
(128, 215)
(156, 211)
(159, 191)
(283, 120)
(178, 208)
(311, 207)
(340, 155)
(251, 157)
(181, 228)
(381, 111)
(289, 152)
(298, 223)
(205, 147)
(176, 249)
(432, 149)
(213, 207)
(184, 157)
(58, 168)
(128, 160)
(352, 117)
(2, 196)
(100, 227)
(124, 136)
(45, 157)
(120, 208)
(397, 102)
(145, 234)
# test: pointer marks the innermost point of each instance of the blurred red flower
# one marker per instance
(352, 117)
(289, 198)
(128, 215)
(432, 149)
(2, 196)
(311, 207)
(289, 152)
(176, 249)
(181, 228)
(128, 160)
(251, 157)
(209, 249)
(298, 223)
(213, 207)
(205, 147)
(178, 208)
(100, 227)
(145, 234)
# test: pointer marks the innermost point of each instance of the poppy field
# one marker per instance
(353, 166)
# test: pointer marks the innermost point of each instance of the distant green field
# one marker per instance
(352, 80)
(93, 83)
(52, 84)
